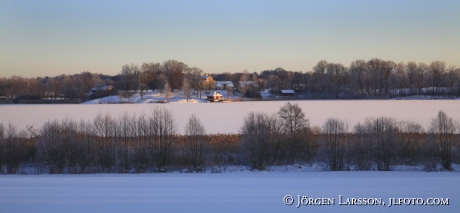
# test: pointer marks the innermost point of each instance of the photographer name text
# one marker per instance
(301, 200)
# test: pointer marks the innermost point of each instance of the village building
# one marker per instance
(99, 91)
(208, 82)
(215, 97)
(206, 79)
(287, 93)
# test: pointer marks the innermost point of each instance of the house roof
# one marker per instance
(287, 91)
(216, 94)
(98, 88)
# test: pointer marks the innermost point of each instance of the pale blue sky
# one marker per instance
(47, 38)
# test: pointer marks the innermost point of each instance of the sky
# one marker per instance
(49, 38)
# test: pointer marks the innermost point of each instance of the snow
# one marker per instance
(237, 189)
(224, 192)
(157, 97)
(424, 97)
(288, 91)
(148, 97)
(265, 94)
(229, 117)
(221, 84)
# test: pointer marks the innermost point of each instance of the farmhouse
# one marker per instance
(99, 91)
(208, 82)
(214, 97)
(206, 79)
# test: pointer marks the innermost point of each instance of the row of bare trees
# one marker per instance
(151, 143)
(108, 144)
(168, 75)
(123, 144)
(375, 78)
(384, 142)
(378, 143)
(15, 148)
(62, 86)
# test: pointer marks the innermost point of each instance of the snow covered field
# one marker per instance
(228, 117)
(244, 191)
(236, 190)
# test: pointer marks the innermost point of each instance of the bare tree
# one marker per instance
(359, 72)
(167, 92)
(163, 128)
(58, 144)
(380, 71)
(377, 140)
(443, 130)
(422, 71)
(229, 91)
(186, 90)
(258, 136)
(13, 148)
(126, 126)
(399, 81)
(129, 77)
(295, 127)
(383, 134)
(196, 140)
(293, 118)
(150, 72)
(195, 80)
(413, 76)
(174, 71)
(104, 129)
(361, 148)
(334, 143)
(242, 84)
(160, 82)
(410, 147)
(436, 71)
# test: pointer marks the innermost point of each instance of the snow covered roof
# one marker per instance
(217, 94)
(287, 91)
(223, 83)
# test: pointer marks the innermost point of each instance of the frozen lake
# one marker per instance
(225, 192)
(228, 117)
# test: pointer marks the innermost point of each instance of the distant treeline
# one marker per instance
(371, 79)
(151, 143)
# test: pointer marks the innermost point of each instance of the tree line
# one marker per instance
(371, 79)
(151, 143)
(131, 77)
